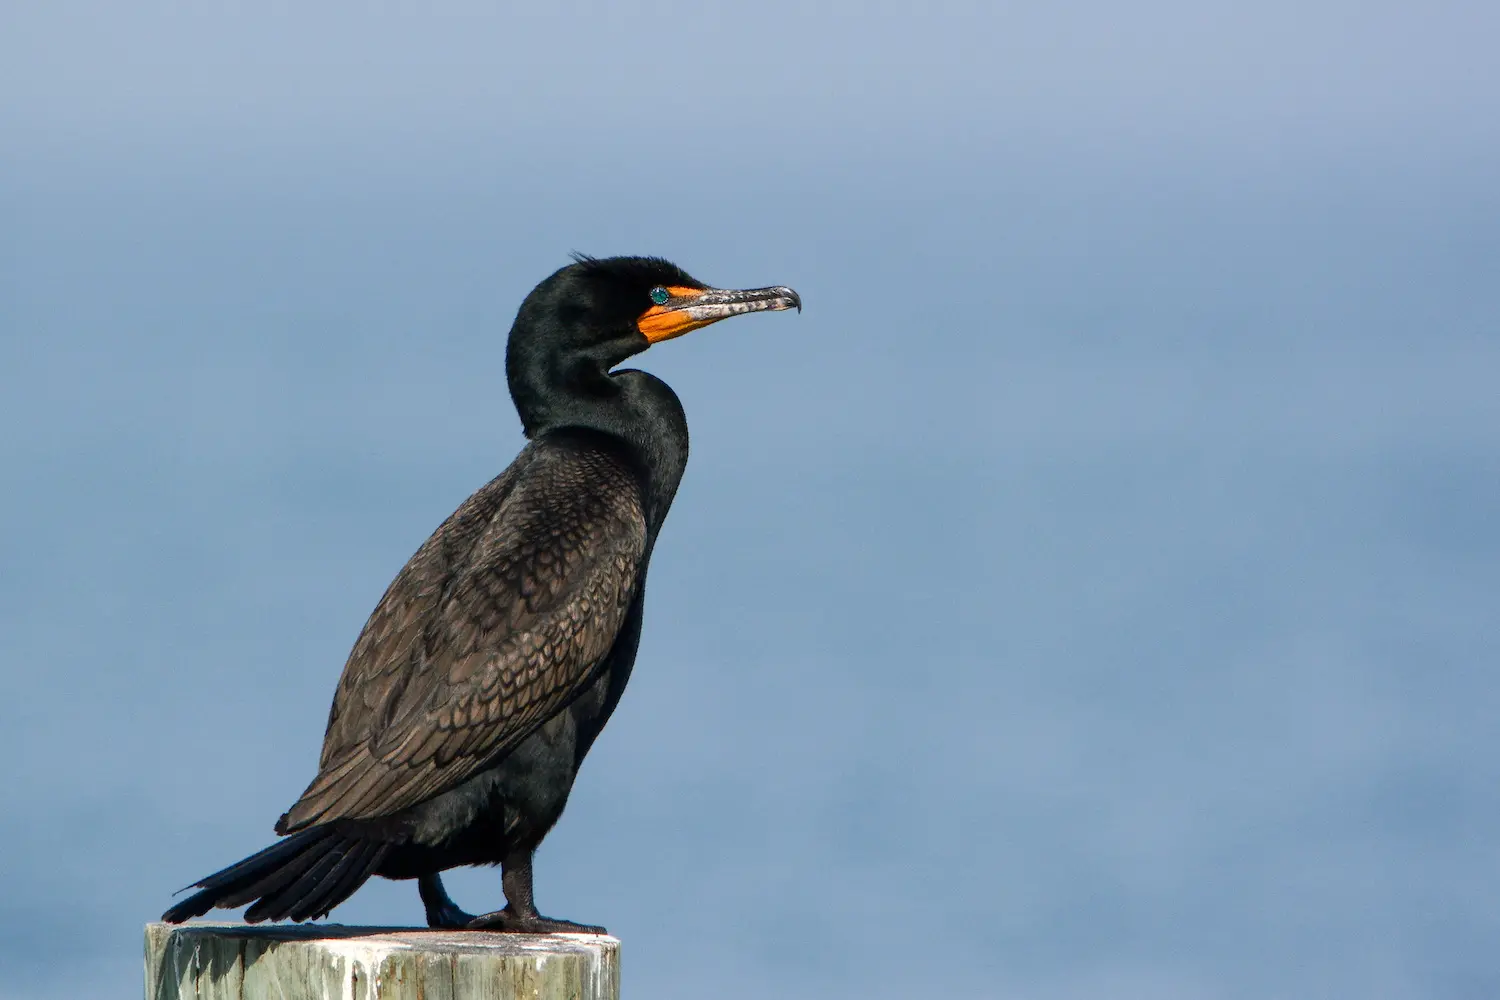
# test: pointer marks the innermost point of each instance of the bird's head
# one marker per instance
(607, 309)
(590, 316)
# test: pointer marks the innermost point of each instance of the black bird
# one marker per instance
(500, 650)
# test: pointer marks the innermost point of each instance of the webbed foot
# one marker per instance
(508, 921)
(442, 912)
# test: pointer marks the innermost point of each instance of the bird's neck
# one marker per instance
(637, 410)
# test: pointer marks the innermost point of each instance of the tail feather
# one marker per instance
(272, 881)
(345, 877)
(279, 905)
(304, 875)
(261, 861)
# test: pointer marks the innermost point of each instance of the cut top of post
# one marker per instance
(333, 962)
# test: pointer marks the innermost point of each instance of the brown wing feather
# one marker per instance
(496, 623)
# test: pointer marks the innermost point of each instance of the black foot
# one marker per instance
(442, 912)
(508, 921)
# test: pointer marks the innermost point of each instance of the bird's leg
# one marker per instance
(519, 915)
(442, 912)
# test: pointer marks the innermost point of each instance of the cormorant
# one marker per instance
(500, 650)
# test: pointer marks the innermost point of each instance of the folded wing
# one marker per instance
(501, 619)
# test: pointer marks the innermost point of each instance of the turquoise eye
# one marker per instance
(660, 295)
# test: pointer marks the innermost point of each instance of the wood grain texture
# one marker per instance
(332, 962)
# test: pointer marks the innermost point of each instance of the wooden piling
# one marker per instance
(333, 962)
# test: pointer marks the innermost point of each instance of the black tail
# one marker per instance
(301, 877)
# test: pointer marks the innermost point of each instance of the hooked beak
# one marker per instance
(691, 308)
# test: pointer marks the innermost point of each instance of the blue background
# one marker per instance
(1092, 593)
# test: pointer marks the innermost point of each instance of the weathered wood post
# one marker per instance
(332, 962)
